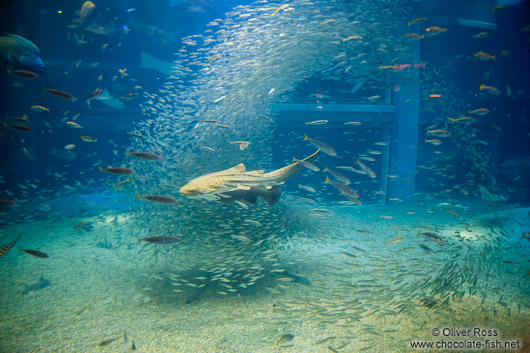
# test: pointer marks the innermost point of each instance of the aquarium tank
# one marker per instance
(265, 176)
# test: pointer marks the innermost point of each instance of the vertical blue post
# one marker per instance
(404, 144)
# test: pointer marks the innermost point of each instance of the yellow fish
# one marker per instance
(367, 169)
(493, 90)
(434, 142)
(88, 139)
(243, 145)
(481, 35)
(395, 240)
(123, 72)
(483, 56)
(417, 20)
(72, 124)
(464, 118)
(350, 38)
(281, 8)
(39, 108)
(414, 36)
(479, 111)
(498, 8)
(434, 30)
(329, 20)
(87, 8)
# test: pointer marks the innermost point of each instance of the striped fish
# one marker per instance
(4, 249)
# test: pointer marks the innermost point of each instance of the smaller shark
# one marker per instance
(236, 183)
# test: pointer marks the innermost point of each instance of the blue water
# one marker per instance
(438, 236)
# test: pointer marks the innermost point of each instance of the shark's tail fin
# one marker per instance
(312, 157)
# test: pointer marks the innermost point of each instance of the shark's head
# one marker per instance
(198, 187)
(189, 190)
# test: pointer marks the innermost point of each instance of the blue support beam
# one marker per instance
(404, 145)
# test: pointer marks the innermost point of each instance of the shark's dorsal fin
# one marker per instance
(240, 168)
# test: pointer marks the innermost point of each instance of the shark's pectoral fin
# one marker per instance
(209, 197)
(272, 195)
(270, 187)
(227, 187)
(250, 198)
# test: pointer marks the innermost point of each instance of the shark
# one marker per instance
(236, 183)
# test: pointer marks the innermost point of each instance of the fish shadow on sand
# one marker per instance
(43, 283)
(206, 288)
(106, 244)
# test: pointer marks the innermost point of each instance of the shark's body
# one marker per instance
(236, 183)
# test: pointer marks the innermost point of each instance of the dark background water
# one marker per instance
(156, 28)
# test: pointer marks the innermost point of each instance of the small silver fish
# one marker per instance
(321, 146)
(144, 155)
(307, 164)
(160, 240)
(157, 198)
(284, 338)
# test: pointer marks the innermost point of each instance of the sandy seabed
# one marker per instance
(361, 295)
